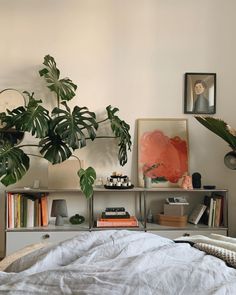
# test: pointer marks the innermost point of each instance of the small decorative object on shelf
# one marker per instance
(118, 181)
(59, 210)
(196, 180)
(177, 201)
(168, 220)
(150, 216)
(77, 219)
(147, 181)
(209, 186)
(187, 182)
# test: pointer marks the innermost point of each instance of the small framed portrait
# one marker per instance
(200, 93)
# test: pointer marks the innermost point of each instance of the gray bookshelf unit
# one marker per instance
(138, 200)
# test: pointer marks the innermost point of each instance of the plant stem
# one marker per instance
(104, 120)
(36, 156)
(77, 159)
(98, 122)
(105, 136)
(24, 145)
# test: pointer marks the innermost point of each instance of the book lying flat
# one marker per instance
(115, 216)
(115, 212)
(118, 222)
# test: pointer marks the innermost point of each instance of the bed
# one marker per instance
(119, 262)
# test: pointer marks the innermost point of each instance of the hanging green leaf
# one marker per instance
(54, 149)
(64, 88)
(33, 118)
(87, 179)
(14, 163)
(75, 127)
(121, 130)
(219, 127)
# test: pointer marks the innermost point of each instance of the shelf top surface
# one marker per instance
(102, 189)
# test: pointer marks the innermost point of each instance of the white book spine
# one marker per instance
(30, 213)
(203, 208)
(210, 213)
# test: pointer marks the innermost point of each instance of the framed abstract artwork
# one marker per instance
(200, 93)
(162, 151)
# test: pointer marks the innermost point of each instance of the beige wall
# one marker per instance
(132, 54)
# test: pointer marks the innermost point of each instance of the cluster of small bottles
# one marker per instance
(118, 181)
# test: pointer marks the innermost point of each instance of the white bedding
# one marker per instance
(118, 262)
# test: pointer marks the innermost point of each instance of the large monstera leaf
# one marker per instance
(54, 149)
(14, 163)
(74, 127)
(121, 130)
(64, 88)
(33, 118)
(87, 178)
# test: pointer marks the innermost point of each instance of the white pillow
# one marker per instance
(223, 238)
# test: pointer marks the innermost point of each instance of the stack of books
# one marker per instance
(116, 217)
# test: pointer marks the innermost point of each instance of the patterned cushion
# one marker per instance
(226, 255)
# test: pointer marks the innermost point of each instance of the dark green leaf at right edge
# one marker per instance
(121, 130)
(14, 163)
(87, 179)
(64, 88)
(219, 127)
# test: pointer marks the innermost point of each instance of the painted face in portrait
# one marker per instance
(199, 88)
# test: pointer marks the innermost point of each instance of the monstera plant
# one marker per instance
(59, 132)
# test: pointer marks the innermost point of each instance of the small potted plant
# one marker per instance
(147, 175)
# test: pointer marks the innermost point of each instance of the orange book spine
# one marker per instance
(117, 223)
(44, 210)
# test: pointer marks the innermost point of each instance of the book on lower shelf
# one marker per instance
(124, 215)
(197, 213)
(117, 222)
(213, 215)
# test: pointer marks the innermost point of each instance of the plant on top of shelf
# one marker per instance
(60, 132)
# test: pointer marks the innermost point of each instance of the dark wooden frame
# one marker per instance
(190, 97)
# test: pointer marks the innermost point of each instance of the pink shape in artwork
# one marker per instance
(170, 153)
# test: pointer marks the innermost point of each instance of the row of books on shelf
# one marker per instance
(209, 213)
(116, 217)
(26, 211)
(213, 215)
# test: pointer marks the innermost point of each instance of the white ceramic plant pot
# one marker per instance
(147, 182)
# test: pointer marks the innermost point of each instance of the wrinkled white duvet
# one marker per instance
(118, 262)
